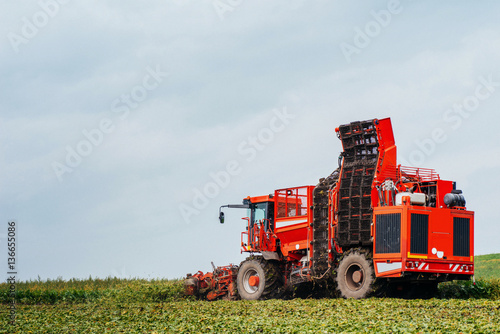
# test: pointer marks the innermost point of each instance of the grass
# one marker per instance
(88, 290)
(115, 305)
(487, 266)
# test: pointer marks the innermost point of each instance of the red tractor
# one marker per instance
(370, 220)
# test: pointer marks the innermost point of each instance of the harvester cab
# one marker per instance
(261, 213)
(260, 223)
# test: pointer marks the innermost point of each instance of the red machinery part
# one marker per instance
(220, 283)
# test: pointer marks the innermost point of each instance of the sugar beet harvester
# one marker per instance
(371, 219)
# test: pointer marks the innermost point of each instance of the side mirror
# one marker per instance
(221, 217)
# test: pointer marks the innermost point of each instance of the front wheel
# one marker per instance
(258, 279)
(355, 275)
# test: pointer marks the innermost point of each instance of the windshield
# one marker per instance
(260, 211)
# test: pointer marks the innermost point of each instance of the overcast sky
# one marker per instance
(124, 125)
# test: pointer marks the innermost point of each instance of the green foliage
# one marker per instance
(272, 316)
(487, 266)
(487, 289)
(114, 305)
(169, 291)
(80, 291)
(31, 297)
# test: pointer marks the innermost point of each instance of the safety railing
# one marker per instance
(258, 237)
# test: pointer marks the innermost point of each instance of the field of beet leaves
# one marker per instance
(158, 306)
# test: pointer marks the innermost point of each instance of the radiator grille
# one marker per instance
(419, 233)
(388, 233)
(461, 236)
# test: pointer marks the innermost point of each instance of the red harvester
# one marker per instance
(371, 220)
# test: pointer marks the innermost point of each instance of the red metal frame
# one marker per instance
(261, 240)
(292, 226)
(439, 258)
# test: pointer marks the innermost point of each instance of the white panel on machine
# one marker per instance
(416, 198)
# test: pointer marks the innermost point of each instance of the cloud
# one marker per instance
(225, 79)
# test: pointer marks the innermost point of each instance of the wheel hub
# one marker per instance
(357, 276)
(354, 277)
(253, 281)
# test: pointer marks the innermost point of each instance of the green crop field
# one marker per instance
(159, 306)
(487, 266)
(275, 316)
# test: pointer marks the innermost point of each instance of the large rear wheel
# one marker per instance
(259, 279)
(355, 275)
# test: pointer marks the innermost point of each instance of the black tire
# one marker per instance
(270, 283)
(355, 275)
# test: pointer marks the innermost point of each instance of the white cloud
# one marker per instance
(225, 78)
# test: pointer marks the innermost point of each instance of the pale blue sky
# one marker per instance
(70, 68)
